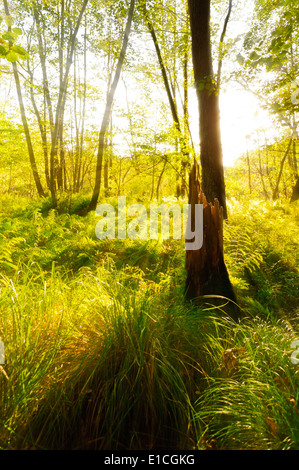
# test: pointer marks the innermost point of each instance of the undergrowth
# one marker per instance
(103, 351)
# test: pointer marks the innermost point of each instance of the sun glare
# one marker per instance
(241, 117)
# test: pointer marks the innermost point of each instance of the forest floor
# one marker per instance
(102, 351)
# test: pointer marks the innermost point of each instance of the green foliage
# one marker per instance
(102, 351)
(9, 50)
(269, 57)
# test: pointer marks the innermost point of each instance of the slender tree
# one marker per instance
(106, 117)
(60, 108)
(35, 173)
(183, 131)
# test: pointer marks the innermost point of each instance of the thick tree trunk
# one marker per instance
(207, 274)
(295, 193)
(211, 156)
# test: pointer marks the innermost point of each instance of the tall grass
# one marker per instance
(103, 352)
(252, 400)
(103, 368)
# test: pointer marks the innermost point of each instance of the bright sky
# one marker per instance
(241, 116)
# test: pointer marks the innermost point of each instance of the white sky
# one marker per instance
(241, 116)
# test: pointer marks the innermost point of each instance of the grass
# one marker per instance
(103, 352)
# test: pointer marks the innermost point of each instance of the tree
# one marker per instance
(35, 173)
(206, 270)
(269, 61)
(62, 95)
(106, 117)
(207, 88)
(177, 49)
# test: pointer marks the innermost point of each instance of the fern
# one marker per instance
(242, 249)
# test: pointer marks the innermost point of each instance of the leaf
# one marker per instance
(9, 36)
(17, 31)
(3, 51)
(272, 426)
(254, 56)
(240, 59)
(12, 56)
(19, 50)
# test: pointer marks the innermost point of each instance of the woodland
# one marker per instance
(141, 343)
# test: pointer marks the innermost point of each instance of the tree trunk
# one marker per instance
(182, 137)
(24, 120)
(276, 190)
(105, 121)
(160, 179)
(295, 193)
(61, 104)
(207, 275)
(211, 156)
(41, 125)
(206, 271)
(42, 56)
(249, 172)
(262, 174)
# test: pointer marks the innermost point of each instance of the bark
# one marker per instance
(249, 172)
(160, 179)
(276, 190)
(213, 184)
(80, 169)
(166, 82)
(42, 56)
(220, 61)
(185, 162)
(207, 275)
(42, 127)
(295, 193)
(262, 174)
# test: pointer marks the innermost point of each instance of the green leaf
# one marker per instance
(254, 56)
(12, 56)
(240, 59)
(19, 50)
(17, 31)
(9, 36)
(3, 51)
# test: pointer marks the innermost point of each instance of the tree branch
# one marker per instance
(230, 5)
